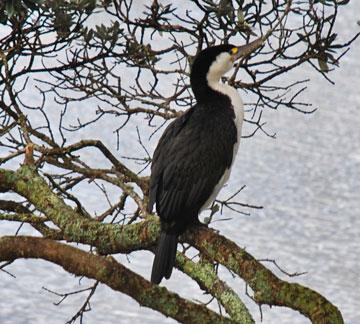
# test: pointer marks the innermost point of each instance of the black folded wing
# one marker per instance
(189, 161)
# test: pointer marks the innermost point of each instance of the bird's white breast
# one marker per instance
(238, 106)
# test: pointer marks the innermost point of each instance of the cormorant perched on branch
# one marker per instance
(194, 156)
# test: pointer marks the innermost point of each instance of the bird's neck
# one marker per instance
(205, 90)
(222, 88)
(208, 89)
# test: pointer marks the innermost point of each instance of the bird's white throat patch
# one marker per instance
(223, 64)
(219, 67)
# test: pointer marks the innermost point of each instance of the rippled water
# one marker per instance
(307, 179)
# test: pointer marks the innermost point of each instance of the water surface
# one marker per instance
(308, 181)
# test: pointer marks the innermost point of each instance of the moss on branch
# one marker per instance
(204, 274)
(268, 288)
(109, 239)
(76, 228)
(108, 271)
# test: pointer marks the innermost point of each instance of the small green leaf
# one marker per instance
(215, 208)
(323, 65)
(32, 4)
(3, 17)
(62, 23)
(343, 2)
(10, 7)
(88, 35)
(240, 16)
(225, 8)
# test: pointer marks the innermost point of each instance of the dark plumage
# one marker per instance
(193, 155)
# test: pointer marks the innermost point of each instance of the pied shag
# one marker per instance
(193, 158)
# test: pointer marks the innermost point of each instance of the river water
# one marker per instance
(307, 179)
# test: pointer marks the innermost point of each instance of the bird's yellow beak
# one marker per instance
(246, 50)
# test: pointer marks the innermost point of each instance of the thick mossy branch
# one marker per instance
(109, 239)
(108, 271)
(76, 228)
(204, 274)
(268, 289)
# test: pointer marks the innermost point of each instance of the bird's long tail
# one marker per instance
(164, 257)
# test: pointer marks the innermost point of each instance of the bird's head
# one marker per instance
(213, 62)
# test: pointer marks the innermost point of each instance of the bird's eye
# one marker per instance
(234, 50)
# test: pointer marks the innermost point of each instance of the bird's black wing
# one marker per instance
(190, 159)
(161, 152)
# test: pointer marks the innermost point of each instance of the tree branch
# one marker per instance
(108, 271)
(109, 239)
(268, 288)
